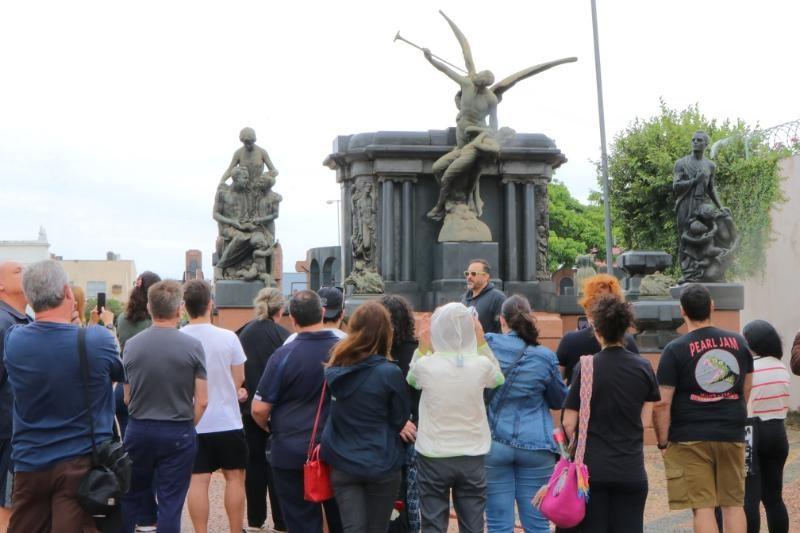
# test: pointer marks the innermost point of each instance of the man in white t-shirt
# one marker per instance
(221, 442)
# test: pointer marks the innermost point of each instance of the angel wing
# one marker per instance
(502, 86)
(462, 40)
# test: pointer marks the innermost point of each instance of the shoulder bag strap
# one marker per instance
(492, 394)
(316, 420)
(85, 378)
(587, 371)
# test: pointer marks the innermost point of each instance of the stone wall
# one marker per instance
(772, 296)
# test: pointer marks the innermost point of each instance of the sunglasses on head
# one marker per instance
(468, 273)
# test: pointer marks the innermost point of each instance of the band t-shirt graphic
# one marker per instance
(707, 367)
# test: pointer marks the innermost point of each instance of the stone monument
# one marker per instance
(418, 206)
(245, 212)
(477, 143)
(706, 230)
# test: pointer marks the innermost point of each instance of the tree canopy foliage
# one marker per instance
(575, 228)
(641, 162)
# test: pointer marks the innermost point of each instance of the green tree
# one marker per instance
(115, 306)
(641, 162)
(575, 228)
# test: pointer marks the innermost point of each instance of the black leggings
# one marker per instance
(615, 507)
(772, 448)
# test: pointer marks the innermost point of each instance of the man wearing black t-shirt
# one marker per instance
(705, 378)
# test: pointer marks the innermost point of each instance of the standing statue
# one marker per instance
(364, 277)
(477, 143)
(706, 230)
(250, 156)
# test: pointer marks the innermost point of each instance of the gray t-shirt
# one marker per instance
(161, 365)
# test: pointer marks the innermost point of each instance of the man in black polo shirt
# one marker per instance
(12, 311)
(287, 396)
(482, 296)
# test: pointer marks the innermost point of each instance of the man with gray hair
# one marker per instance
(12, 311)
(51, 443)
(166, 394)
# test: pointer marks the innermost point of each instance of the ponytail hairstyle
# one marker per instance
(517, 313)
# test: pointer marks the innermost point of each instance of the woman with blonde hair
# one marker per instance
(574, 344)
(260, 338)
(361, 440)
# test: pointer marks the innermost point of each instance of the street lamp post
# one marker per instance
(338, 219)
(603, 152)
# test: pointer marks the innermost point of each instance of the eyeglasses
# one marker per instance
(468, 273)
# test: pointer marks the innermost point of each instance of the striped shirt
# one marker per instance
(769, 399)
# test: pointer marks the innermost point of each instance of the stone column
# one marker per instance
(406, 250)
(387, 261)
(346, 222)
(511, 250)
(529, 234)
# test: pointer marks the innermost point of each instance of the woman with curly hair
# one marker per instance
(624, 387)
(574, 344)
(404, 344)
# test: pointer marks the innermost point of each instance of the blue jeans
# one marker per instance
(163, 450)
(515, 474)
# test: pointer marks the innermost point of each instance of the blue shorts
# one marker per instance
(6, 473)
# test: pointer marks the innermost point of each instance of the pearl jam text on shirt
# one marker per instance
(704, 345)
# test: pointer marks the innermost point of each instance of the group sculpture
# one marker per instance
(245, 212)
(707, 233)
(458, 172)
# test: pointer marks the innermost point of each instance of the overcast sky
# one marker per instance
(117, 119)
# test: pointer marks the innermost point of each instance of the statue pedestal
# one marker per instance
(656, 321)
(233, 300)
(450, 260)
(728, 304)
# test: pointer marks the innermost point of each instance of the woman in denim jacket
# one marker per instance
(523, 453)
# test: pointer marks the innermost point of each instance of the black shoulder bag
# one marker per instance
(109, 475)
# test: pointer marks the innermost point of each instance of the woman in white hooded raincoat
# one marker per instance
(452, 367)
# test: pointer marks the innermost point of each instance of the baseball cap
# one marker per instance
(332, 300)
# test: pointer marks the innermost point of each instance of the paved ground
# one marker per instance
(658, 518)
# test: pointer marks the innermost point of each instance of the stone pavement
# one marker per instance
(658, 518)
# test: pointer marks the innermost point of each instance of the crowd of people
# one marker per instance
(413, 418)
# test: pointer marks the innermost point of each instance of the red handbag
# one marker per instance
(316, 474)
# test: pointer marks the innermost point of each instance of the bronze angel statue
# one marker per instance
(477, 99)
(479, 95)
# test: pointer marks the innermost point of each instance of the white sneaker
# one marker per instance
(146, 529)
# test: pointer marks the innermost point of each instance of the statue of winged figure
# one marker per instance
(458, 172)
(479, 95)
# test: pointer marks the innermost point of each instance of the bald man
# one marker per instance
(12, 311)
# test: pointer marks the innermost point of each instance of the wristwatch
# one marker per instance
(663, 446)
(110, 326)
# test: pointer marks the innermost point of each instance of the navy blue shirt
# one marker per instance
(50, 420)
(8, 317)
(292, 383)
